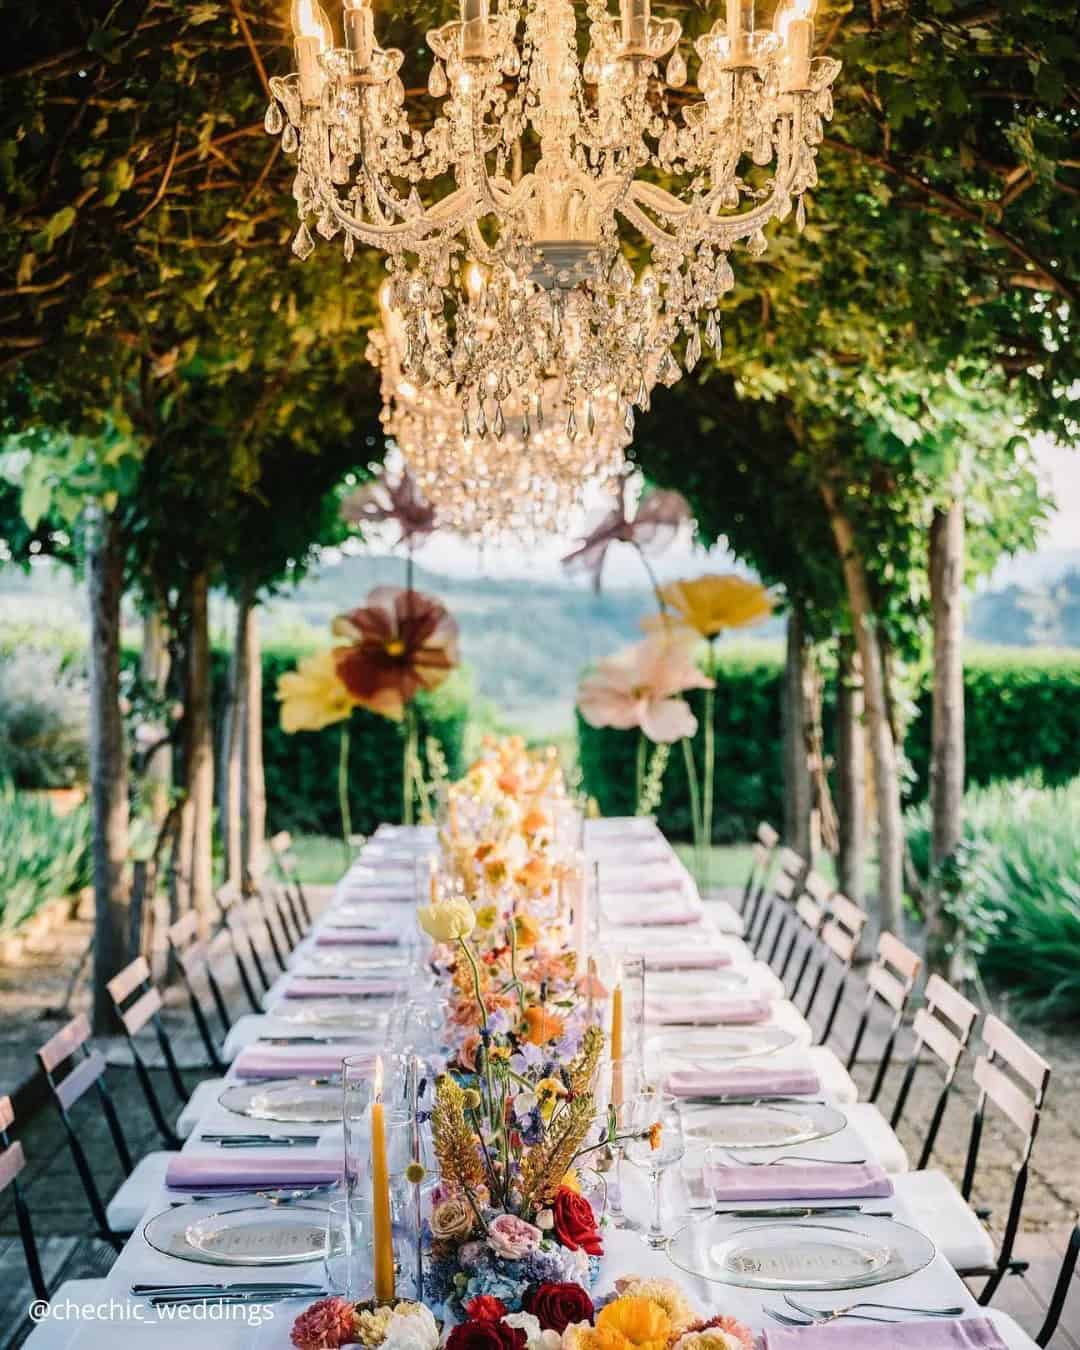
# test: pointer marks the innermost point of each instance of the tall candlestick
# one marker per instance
(579, 897)
(382, 1230)
(474, 29)
(617, 1042)
(635, 23)
(359, 32)
(433, 880)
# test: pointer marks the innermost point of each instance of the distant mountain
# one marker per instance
(1046, 615)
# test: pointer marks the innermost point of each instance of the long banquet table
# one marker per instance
(130, 1322)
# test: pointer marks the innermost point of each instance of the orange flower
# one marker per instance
(535, 821)
(535, 875)
(526, 930)
(483, 850)
(542, 1026)
(400, 642)
(656, 1129)
(509, 782)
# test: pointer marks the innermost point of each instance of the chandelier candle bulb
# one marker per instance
(359, 32)
(635, 24)
(795, 73)
(474, 29)
(312, 36)
(381, 1229)
(740, 27)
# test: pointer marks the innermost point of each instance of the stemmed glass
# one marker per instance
(655, 1155)
(618, 1086)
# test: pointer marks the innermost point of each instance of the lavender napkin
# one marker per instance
(749, 1080)
(969, 1333)
(687, 958)
(799, 1181)
(709, 1010)
(234, 1168)
(301, 986)
(632, 910)
(351, 935)
(284, 1061)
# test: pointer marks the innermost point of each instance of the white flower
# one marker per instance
(412, 1327)
(545, 1219)
(535, 1338)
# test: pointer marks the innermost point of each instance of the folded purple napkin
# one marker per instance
(389, 893)
(301, 986)
(233, 1168)
(687, 958)
(748, 1080)
(353, 935)
(286, 1061)
(623, 911)
(799, 1181)
(968, 1333)
(710, 1009)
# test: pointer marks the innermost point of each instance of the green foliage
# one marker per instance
(1017, 889)
(1022, 709)
(301, 769)
(44, 735)
(43, 856)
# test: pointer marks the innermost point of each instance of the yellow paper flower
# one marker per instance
(485, 918)
(667, 1293)
(526, 930)
(312, 696)
(447, 920)
(548, 1091)
(584, 1337)
(713, 603)
(642, 1321)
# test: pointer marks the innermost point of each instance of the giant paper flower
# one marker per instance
(313, 696)
(397, 499)
(651, 529)
(710, 604)
(638, 687)
(400, 641)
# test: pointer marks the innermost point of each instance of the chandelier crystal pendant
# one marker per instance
(510, 220)
(516, 478)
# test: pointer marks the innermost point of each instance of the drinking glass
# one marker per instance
(347, 1263)
(655, 1156)
(618, 1085)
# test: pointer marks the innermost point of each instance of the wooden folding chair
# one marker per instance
(889, 982)
(233, 908)
(194, 958)
(761, 864)
(12, 1162)
(811, 911)
(770, 919)
(285, 863)
(837, 948)
(138, 1005)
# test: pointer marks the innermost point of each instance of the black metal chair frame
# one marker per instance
(889, 981)
(838, 944)
(193, 957)
(12, 1161)
(811, 911)
(1061, 1289)
(137, 1003)
(777, 902)
(762, 853)
(233, 909)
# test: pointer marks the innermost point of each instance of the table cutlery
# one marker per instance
(785, 1320)
(791, 1157)
(756, 1101)
(306, 1040)
(803, 1212)
(236, 1287)
(272, 1195)
(829, 1314)
(239, 1298)
(282, 1141)
(255, 1137)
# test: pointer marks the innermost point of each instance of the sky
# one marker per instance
(457, 557)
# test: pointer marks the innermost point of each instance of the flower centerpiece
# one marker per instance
(334, 1322)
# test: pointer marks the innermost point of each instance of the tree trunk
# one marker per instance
(881, 743)
(155, 674)
(850, 775)
(235, 738)
(798, 789)
(947, 734)
(253, 781)
(108, 765)
(200, 766)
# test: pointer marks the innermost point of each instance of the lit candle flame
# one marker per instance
(789, 12)
(309, 21)
(377, 1079)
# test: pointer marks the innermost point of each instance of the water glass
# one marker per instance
(348, 1262)
(618, 1085)
(656, 1155)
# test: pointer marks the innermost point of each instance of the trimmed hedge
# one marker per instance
(1022, 711)
(301, 769)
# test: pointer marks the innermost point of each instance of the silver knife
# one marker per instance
(791, 1212)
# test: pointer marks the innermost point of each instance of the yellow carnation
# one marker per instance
(643, 1322)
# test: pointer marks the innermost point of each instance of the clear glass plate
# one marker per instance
(706, 1047)
(251, 1235)
(761, 1124)
(804, 1254)
(369, 962)
(688, 983)
(298, 1101)
(332, 1014)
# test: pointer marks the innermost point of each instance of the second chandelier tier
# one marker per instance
(510, 213)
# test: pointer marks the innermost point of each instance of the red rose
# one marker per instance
(555, 1306)
(486, 1308)
(485, 1336)
(575, 1222)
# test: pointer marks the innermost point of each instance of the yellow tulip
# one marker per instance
(447, 920)
(713, 603)
(312, 696)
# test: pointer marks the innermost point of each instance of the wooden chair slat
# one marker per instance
(7, 1113)
(228, 895)
(846, 912)
(959, 1010)
(784, 886)
(83, 1076)
(791, 862)
(767, 835)
(887, 987)
(937, 1037)
(901, 958)
(1016, 1053)
(818, 887)
(12, 1162)
(839, 942)
(141, 1011)
(810, 912)
(184, 930)
(66, 1041)
(1005, 1095)
(761, 855)
(194, 958)
(281, 842)
(128, 980)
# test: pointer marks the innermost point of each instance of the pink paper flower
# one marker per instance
(638, 687)
(512, 1237)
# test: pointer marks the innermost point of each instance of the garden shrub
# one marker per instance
(44, 727)
(43, 856)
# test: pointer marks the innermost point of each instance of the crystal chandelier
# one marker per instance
(545, 175)
(524, 475)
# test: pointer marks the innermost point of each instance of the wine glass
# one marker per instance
(618, 1085)
(657, 1142)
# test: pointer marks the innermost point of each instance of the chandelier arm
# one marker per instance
(792, 133)
(446, 217)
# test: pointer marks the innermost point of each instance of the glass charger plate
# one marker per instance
(762, 1124)
(368, 962)
(333, 1014)
(691, 982)
(705, 1047)
(300, 1101)
(818, 1254)
(249, 1235)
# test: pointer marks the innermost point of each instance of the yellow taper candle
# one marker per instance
(617, 1043)
(433, 880)
(381, 1233)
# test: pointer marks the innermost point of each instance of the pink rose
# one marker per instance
(512, 1237)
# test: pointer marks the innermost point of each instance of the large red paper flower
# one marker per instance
(575, 1223)
(400, 642)
(485, 1336)
(556, 1306)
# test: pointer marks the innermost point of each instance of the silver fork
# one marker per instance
(789, 1157)
(829, 1314)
